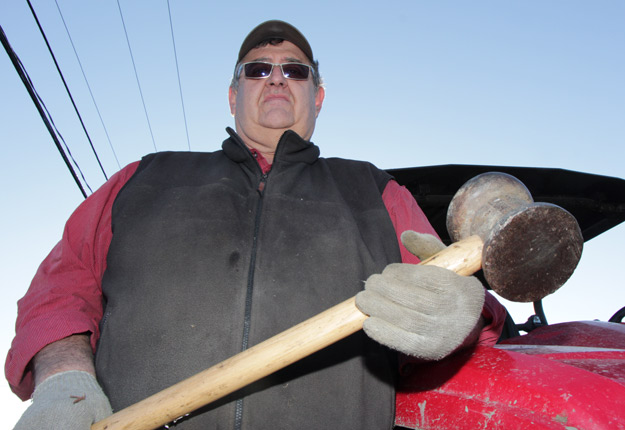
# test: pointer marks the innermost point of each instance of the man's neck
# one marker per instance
(267, 154)
(266, 146)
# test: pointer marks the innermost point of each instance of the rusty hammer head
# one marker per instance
(530, 249)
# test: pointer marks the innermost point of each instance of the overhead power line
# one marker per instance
(88, 86)
(184, 115)
(136, 74)
(66, 87)
(43, 112)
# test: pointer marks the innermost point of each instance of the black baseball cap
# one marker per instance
(275, 29)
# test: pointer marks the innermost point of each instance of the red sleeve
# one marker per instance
(65, 296)
(494, 314)
(407, 215)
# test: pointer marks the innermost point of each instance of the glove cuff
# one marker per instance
(77, 382)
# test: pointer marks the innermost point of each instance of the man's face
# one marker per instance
(263, 109)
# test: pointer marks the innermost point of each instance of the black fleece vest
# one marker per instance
(209, 257)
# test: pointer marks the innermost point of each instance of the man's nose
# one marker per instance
(277, 77)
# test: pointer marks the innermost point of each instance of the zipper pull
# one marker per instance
(262, 183)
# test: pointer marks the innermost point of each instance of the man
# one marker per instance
(185, 259)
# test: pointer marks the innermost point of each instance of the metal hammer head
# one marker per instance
(530, 249)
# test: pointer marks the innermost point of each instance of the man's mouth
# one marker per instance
(276, 97)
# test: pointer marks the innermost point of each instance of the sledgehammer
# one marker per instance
(527, 251)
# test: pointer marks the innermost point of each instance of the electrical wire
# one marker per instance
(184, 115)
(66, 87)
(88, 86)
(43, 111)
(136, 74)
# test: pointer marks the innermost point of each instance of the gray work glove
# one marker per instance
(422, 311)
(66, 401)
(422, 245)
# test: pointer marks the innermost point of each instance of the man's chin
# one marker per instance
(278, 122)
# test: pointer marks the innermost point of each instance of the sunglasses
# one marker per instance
(262, 70)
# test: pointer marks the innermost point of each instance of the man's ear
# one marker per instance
(232, 100)
(321, 94)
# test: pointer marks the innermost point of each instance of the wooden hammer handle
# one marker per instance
(265, 358)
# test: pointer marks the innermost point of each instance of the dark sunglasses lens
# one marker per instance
(257, 70)
(295, 71)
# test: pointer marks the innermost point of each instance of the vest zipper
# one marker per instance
(247, 319)
(250, 277)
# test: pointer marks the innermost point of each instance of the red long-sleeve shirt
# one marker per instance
(65, 296)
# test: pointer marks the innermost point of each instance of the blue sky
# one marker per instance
(409, 83)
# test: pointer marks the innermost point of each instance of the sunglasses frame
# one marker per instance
(242, 68)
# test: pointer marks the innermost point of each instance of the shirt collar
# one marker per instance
(265, 165)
